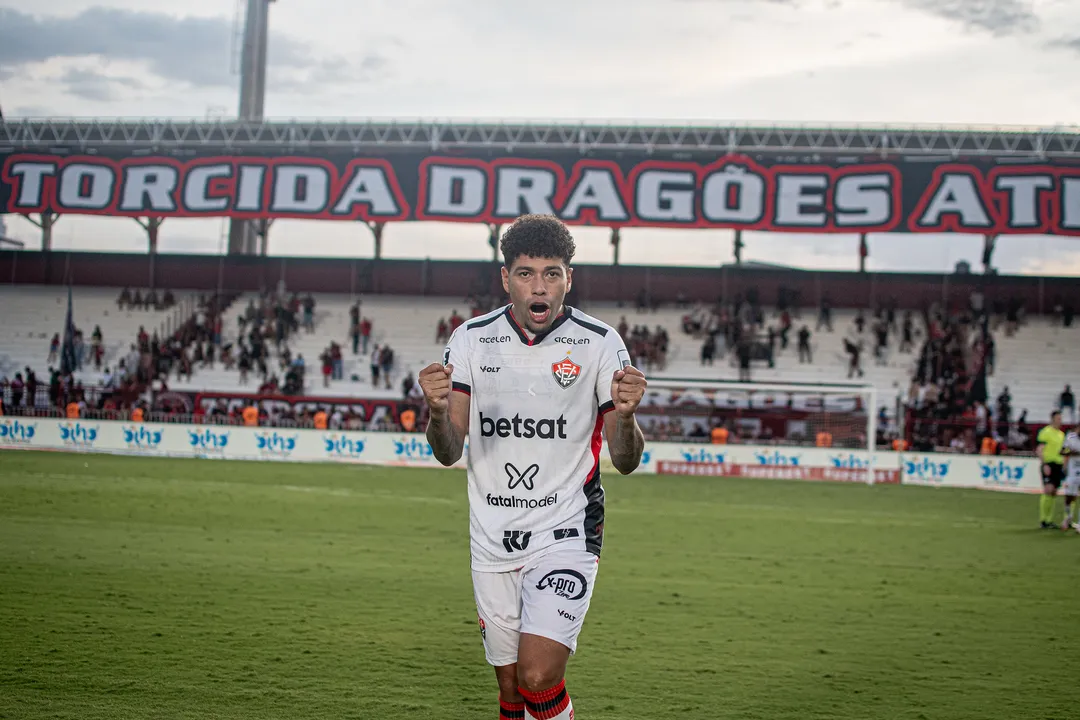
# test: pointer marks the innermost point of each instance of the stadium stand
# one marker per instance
(32, 314)
(1034, 363)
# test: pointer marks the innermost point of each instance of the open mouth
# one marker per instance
(539, 312)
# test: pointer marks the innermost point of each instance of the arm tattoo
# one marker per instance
(626, 444)
(447, 442)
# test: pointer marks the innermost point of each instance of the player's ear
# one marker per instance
(569, 278)
(506, 279)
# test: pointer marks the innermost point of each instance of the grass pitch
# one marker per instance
(138, 588)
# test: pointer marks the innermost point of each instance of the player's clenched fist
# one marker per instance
(627, 388)
(435, 382)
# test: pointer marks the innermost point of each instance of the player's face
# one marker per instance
(537, 287)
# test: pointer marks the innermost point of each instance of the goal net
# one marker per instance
(796, 415)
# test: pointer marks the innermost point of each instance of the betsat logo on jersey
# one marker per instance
(275, 444)
(17, 432)
(527, 428)
(927, 470)
(1001, 473)
(137, 437)
(339, 446)
(76, 434)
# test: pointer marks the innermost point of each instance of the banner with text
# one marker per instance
(778, 193)
(1011, 473)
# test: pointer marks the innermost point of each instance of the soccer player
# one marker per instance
(534, 386)
(1071, 487)
(1051, 441)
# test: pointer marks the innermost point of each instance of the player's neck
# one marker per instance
(531, 334)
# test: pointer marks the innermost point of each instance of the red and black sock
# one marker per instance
(511, 711)
(550, 704)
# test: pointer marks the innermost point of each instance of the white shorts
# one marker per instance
(548, 596)
(1071, 486)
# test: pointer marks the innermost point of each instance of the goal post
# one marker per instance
(796, 415)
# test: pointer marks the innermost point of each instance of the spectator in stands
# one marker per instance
(455, 321)
(365, 334)
(623, 329)
(442, 331)
(327, 367)
(375, 366)
(124, 300)
(907, 333)
(881, 344)
(1068, 314)
(386, 363)
(860, 322)
(854, 351)
(805, 356)
(1067, 402)
(54, 348)
(18, 386)
(708, 349)
(309, 313)
(31, 388)
(742, 352)
(825, 315)
(136, 300)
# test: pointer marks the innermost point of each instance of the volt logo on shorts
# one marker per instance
(569, 584)
(568, 616)
(516, 540)
(525, 477)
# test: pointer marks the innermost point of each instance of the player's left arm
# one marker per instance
(619, 389)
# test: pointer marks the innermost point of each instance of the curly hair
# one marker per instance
(539, 236)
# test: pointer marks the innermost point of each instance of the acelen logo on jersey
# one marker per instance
(519, 427)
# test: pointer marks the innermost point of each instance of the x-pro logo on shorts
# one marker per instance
(524, 478)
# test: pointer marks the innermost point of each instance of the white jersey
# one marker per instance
(1072, 460)
(535, 432)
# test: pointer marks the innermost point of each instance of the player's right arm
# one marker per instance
(448, 413)
(447, 389)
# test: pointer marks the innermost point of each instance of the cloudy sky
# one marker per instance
(998, 62)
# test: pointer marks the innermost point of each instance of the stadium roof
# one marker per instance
(387, 134)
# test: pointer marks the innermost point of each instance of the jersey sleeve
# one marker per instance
(457, 354)
(613, 357)
(1042, 436)
(1072, 443)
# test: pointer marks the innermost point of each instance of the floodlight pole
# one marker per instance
(244, 234)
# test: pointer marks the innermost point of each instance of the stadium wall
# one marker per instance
(1017, 474)
(447, 278)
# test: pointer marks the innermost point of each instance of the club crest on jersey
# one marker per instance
(565, 372)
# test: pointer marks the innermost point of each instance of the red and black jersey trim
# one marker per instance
(482, 322)
(461, 388)
(606, 407)
(601, 331)
(567, 313)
